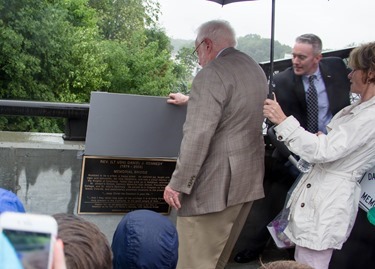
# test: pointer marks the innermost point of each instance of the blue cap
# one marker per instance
(10, 202)
(145, 239)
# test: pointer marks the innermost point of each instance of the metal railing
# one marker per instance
(76, 115)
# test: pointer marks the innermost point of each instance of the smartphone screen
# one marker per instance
(32, 248)
(27, 239)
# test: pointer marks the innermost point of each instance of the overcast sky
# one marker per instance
(337, 22)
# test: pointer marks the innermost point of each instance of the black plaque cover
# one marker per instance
(121, 185)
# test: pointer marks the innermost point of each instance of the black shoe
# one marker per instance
(246, 256)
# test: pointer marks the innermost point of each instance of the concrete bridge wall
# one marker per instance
(44, 171)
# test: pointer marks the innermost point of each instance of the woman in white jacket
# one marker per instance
(324, 204)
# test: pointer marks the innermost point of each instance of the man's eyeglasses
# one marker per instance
(195, 51)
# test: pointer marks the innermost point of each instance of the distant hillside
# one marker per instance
(253, 45)
(179, 43)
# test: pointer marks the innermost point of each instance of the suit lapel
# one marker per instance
(327, 78)
(299, 90)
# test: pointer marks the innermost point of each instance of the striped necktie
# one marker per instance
(312, 107)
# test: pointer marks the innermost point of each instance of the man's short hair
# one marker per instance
(313, 40)
(85, 246)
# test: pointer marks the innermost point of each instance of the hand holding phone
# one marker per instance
(58, 255)
(31, 236)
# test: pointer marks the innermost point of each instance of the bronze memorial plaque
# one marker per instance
(121, 185)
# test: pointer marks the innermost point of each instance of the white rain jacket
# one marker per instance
(324, 204)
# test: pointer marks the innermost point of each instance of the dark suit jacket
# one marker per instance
(290, 93)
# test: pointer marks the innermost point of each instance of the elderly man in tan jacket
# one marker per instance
(219, 171)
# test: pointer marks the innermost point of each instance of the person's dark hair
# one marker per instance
(284, 265)
(313, 40)
(363, 58)
(85, 246)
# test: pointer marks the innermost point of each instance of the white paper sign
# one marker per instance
(367, 199)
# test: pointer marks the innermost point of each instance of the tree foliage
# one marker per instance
(185, 70)
(259, 48)
(62, 50)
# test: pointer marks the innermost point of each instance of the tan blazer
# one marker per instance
(221, 160)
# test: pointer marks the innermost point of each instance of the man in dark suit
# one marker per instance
(332, 86)
(334, 83)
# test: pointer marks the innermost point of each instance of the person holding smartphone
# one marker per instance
(9, 202)
(32, 236)
(58, 255)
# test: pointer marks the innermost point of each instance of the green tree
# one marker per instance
(119, 19)
(62, 50)
(137, 52)
(145, 68)
(259, 48)
(42, 48)
(48, 46)
(187, 63)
